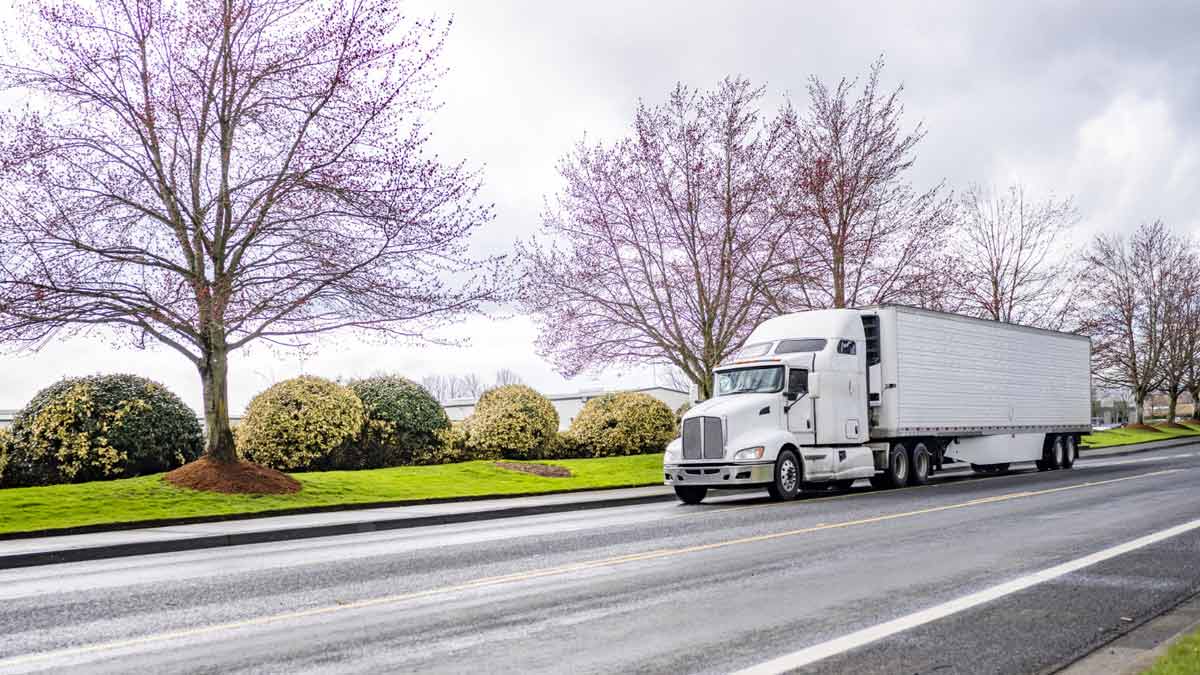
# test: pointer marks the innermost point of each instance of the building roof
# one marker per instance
(590, 393)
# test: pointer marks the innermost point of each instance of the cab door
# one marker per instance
(801, 420)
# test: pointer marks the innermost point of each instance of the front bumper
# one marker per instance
(719, 475)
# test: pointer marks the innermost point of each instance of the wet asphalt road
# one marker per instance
(660, 588)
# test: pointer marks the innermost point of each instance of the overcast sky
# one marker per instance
(1099, 100)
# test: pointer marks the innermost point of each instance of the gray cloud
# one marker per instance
(1096, 99)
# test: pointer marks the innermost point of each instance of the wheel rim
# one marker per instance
(788, 475)
(921, 464)
(1069, 450)
(1058, 452)
(901, 469)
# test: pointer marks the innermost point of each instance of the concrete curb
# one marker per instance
(120, 550)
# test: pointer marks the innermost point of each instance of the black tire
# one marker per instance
(1053, 457)
(690, 494)
(843, 484)
(788, 474)
(896, 473)
(1070, 451)
(1042, 466)
(919, 464)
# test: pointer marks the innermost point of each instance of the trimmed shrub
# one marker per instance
(101, 427)
(514, 422)
(566, 446)
(451, 446)
(627, 423)
(6, 441)
(300, 424)
(402, 424)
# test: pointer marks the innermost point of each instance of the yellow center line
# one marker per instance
(547, 572)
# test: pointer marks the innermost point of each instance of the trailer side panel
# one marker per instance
(945, 374)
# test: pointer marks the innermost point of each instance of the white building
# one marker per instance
(569, 405)
(6, 418)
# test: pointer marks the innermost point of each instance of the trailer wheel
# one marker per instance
(918, 466)
(1054, 454)
(788, 473)
(690, 494)
(896, 473)
(1070, 452)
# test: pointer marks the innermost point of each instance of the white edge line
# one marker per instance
(866, 636)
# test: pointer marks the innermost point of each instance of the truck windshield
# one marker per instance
(757, 380)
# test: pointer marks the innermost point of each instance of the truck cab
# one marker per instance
(790, 407)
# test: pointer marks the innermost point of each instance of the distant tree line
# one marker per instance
(469, 386)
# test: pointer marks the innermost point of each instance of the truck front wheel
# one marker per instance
(690, 494)
(786, 485)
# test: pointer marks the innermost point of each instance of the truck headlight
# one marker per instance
(750, 453)
(669, 457)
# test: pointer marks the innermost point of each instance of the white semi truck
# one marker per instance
(887, 393)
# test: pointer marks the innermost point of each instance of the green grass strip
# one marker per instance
(1182, 658)
(1119, 436)
(150, 498)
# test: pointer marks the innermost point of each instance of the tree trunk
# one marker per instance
(214, 373)
(1139, 402)
(1172, 400)
(839, 280)
(706, 384)
(1195, 403)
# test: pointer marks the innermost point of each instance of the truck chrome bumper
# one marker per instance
(719, 475)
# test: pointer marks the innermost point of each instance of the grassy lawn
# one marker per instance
(1111, 437)
(152, 498)
(1183, 658)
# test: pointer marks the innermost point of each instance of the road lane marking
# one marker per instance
(538, 574)
(841, 645)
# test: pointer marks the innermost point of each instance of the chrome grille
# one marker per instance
(692, 432)
(703, 438)
(714, 438)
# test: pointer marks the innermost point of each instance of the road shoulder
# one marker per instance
(1136, 650)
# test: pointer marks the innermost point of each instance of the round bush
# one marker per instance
(6, 441)
(101, 427)
(402, 424)
(628, 423)
(514, 422)
(300, 424)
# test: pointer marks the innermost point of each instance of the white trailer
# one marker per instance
(889, 393)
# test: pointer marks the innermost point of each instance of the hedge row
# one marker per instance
(117, 426)
(309, 423)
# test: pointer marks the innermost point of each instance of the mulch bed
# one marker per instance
(1173, 425)
(544, 470)
(238, 478)
(1142, 427)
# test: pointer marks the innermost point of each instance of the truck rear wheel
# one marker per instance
(918, 466)
(788, 473)
(896, 473)
(690, 494)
